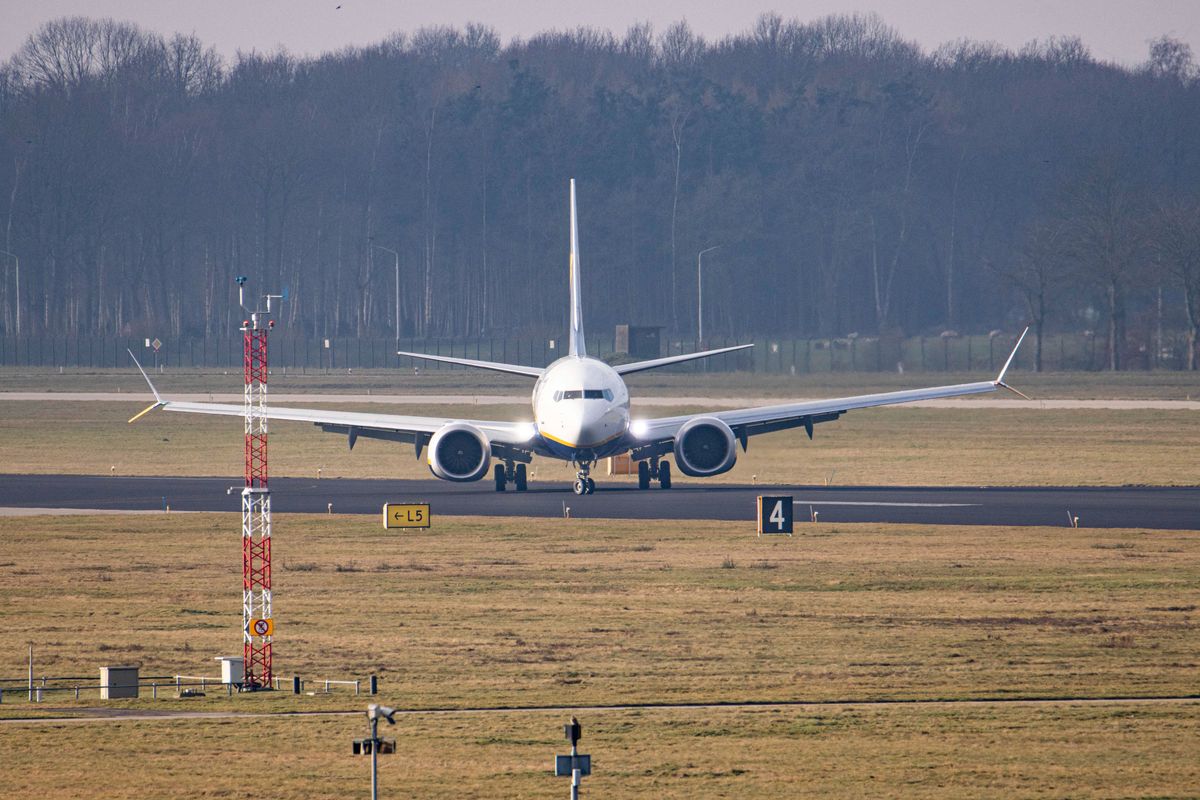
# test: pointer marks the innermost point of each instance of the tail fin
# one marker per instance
(576, 347)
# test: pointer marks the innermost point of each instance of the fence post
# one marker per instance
(356, 688)
(154, 690)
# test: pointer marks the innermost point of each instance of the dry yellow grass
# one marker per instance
(892, 446)
(481, 612)
(760, 754)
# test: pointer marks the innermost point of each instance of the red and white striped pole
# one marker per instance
(258, 626)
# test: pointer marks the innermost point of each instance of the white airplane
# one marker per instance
(581, 414)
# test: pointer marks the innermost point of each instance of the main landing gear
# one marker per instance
(507, 473)
(654, 470)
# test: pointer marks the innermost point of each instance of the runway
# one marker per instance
(1096, 507)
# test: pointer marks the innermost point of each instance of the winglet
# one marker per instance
(158, 401)
(1004, 370)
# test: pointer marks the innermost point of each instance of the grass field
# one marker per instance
(761, 754)
(889, 446)
(486, 612)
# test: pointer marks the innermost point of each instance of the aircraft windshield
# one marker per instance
(584, 394)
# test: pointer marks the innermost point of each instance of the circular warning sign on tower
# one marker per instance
(262, 627)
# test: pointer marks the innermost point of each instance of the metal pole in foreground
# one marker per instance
(574, 772)
(374, 758)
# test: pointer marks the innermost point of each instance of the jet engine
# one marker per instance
(459, 452)
(704, 447)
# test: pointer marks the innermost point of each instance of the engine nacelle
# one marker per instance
(459, 452)
(705, 446)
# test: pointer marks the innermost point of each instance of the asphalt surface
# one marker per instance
(1096, 507)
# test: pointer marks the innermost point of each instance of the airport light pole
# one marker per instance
(700, 292)
(13, 256)
(395, 256)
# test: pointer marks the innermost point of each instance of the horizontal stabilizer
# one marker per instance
(654, 363)
(494, 366)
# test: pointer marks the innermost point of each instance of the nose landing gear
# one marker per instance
(583, 483)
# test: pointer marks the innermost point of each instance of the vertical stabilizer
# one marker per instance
(576, 346)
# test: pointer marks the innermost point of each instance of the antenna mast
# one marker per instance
(258, 625)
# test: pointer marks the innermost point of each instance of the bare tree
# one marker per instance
(1175, 243)
(1040, 273)
(1107, 238)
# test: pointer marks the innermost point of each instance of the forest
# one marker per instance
(822, 178)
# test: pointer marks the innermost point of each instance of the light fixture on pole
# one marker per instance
(396, 256)
(374, 746)
(700, 292)
(13, 256)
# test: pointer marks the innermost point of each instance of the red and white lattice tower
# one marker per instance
(258, 625)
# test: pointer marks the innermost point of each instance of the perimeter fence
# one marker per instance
(1061, 352)
(42, 689)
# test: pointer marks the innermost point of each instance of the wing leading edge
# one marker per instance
(355, 424)
(653, 434)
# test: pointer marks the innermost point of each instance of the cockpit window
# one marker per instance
(584, 394)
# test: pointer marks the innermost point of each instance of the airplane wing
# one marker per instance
(654, 363)
(494, 366)
(504, 436)
(655, 436)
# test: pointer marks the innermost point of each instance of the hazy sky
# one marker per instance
(1115, 30)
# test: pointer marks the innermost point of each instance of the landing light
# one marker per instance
(527, 431)
(639, 428)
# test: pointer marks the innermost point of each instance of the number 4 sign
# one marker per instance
(774, 515)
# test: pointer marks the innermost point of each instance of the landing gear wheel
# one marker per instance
(521, 481)
(643, 475)
(664, 475)
(580, 486)
(501, 479)
(591, 486)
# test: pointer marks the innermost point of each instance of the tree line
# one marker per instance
(837, 178)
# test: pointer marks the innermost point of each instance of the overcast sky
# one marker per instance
(1114, 30)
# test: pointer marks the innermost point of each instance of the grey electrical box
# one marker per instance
(565, 765)
(639, 341)
(118, 682)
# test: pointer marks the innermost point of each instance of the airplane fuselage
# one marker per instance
(581, 409)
